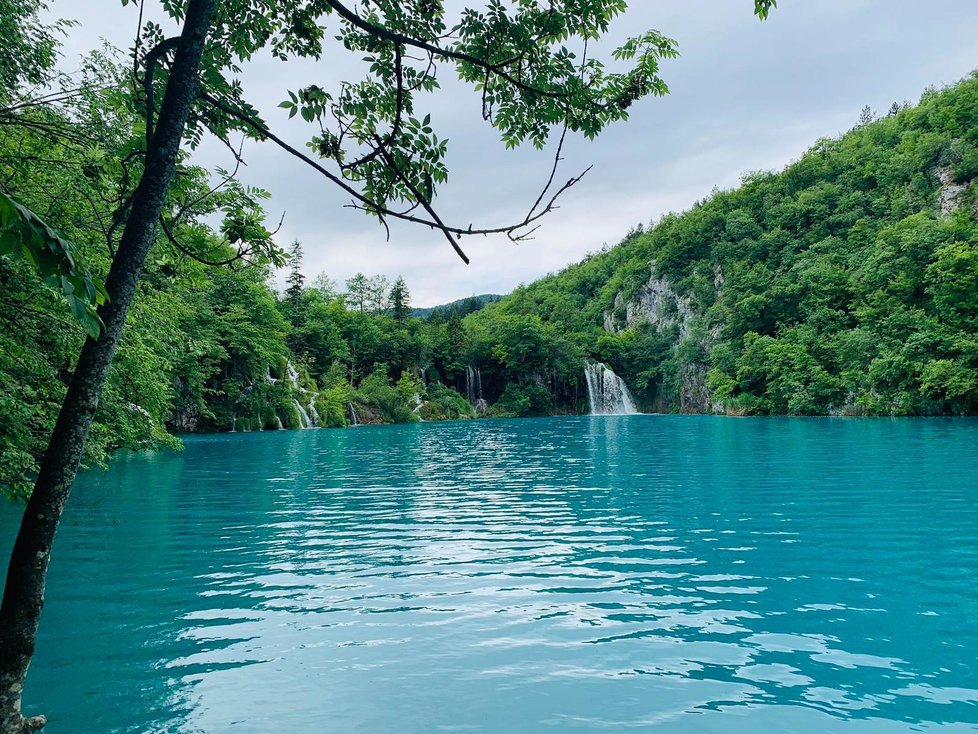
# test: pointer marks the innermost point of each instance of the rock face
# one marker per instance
(660, 305)
(656, 303)
(694, 396)
(949, 195)
(186, 417)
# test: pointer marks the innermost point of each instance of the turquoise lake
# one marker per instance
(658, 574)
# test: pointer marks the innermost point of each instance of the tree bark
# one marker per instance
(23, 595)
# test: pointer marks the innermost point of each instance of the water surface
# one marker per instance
(614, 574)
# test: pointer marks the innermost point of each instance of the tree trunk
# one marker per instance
(23, 594)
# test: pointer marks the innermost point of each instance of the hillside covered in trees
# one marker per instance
(847, 283)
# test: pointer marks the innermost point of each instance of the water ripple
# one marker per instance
(658, 574)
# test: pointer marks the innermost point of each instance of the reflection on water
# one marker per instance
(638, 573)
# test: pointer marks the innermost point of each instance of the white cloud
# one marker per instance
(745, 95)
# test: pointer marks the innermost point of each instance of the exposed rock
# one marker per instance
(185, 416)
(694, 397)
(656, 303)
(659, 304)
(950, 192)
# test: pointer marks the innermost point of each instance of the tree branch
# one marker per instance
(154, 55)
(379, 31)
(360, 201)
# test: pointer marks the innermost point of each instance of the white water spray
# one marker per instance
(607, 392)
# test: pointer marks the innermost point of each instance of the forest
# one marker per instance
(845, 284)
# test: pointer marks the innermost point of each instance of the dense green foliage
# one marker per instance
(846, 283)
(205, 348)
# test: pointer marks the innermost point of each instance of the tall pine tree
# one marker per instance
(296, 281)
(400, 300)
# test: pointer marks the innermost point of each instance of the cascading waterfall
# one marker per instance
(304, 421)
(607, 392)
(473, 389)
(353, 415)
(308, 415)
(313, 413)
(470, 383)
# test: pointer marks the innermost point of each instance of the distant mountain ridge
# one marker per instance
(462, 306)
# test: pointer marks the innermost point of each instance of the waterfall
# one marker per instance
(607, 392)
(304, 421)
(308, 415)
(353, 415)
(473, 386)
(469, 384)
(313, 413)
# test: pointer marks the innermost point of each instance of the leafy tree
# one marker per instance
(326, 286)
(377, 293)
(28, 48)
(358, 292)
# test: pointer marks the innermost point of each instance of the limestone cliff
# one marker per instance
(659, 304)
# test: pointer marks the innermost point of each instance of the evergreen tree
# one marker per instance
(296, 281)
(866, 116)
(400, 300)
(456, 336)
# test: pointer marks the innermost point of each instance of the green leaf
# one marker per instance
(24, 236)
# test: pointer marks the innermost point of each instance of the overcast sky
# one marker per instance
(745, 96)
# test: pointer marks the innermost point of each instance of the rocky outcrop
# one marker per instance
(659, 304)
(950, 192)
(185, 416)
(694, 396)
(656, 303)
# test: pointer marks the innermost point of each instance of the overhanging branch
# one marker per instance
(516, 231)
